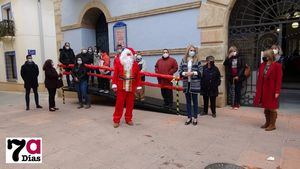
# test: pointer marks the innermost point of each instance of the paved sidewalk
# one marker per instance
(85, 139)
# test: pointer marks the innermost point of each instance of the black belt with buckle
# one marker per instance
(125, 78)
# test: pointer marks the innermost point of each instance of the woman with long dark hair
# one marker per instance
(51, 78)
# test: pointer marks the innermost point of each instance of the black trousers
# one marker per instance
(167, 95)
(103, 83)
(52, 93)
(27, 97)
(212, 100)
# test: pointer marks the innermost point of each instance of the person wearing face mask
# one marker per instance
(142, 66)
(30, 73)
(190, 70)
(268, 88)
(168, 66)
(278, 54)
(83, 55)
(210, 82)
(234, 69)
(81, 77)
(118, 53)
(104, 83)
(66, 57)
(51, 78)
(95, 57)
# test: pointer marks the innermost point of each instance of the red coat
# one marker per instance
(267, 86)
(119, 75)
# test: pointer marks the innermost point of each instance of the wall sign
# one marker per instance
(31, 52)
(120, 34)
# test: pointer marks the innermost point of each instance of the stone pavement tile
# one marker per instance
(69, 159)
(267, 143)
(290, 158)
(257, 159)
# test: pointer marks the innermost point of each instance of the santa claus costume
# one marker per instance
(126, 80)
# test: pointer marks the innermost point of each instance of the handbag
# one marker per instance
(59, 83)
(247, 71)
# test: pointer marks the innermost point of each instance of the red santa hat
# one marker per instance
(129, 51)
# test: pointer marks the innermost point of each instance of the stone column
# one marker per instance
(213, 22)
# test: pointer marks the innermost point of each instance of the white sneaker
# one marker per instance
(106, 91)
(101, 91)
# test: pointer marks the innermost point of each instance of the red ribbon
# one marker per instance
(169, 77)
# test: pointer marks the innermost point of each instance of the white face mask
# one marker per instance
(165, 55)
(79, 62)
(276, 51)
(192, 53)
(29, 60)
(84, 51)
(119, 51)
(234, 53)
(67, 47)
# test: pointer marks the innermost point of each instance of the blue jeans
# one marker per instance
(189, 97)
(82, 92)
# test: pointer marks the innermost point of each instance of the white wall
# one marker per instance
(25, 14)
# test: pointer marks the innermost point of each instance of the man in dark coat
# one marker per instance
(30, 73)
(66, 57)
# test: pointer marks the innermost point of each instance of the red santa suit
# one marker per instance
(126, 80)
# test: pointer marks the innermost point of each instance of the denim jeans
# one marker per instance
(82, 92)
(189, 98)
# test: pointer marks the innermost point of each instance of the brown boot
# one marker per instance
(273, 121)
(267, 116)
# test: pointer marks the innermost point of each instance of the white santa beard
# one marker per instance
(127, 63)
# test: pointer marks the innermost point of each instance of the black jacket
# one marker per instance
(51, 78)
(66, 56)
(86, 58)
(80, 73)
(30, 73)
(240, 68)
(211, 79)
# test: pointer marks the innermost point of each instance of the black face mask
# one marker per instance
(265, 59)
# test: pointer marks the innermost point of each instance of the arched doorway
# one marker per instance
(95, 19)
(255, 25)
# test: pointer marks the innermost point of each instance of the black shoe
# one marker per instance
(56, 108)
(39, 107)
(88, 106)
(80, 106)
(52, 109)
(189, 121)
(203, 114)
(27, 109)
(195, 122)
(214, 115)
